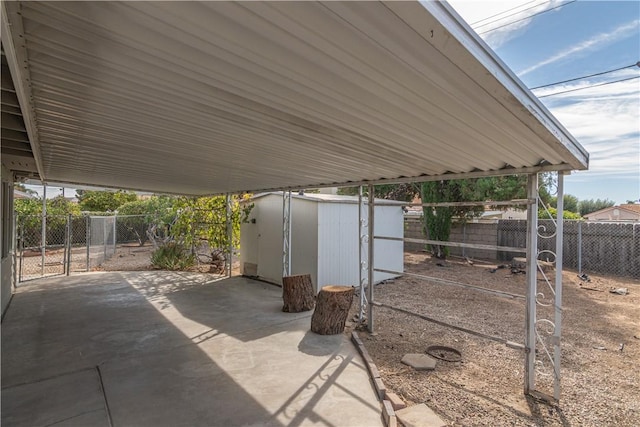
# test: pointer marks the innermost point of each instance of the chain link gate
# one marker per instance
(69, 244)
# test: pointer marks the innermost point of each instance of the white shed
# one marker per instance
(324, 239)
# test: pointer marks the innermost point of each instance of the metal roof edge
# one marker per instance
(338, 198)
(16, 55)
(471, 41)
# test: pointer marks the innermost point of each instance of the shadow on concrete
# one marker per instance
(174, 349)
(153, 374)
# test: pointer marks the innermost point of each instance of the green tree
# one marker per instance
(438, 220)
(570, 203)
(103, 201)
(203, 219)
(587, 206)
(403, 192)
(143, 219)
(542, 214)
(29, 218)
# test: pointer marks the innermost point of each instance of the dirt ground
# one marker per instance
(600, 382)
(133, 257)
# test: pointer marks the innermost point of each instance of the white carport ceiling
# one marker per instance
(216, 97)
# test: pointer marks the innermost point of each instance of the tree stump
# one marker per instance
(297, 293)
(332, 309)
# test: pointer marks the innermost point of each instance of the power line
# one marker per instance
(590, 86)
(508, 10)
(528, 17)
(637, 64)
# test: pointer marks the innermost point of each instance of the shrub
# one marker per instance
(172, 256)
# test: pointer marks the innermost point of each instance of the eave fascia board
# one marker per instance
(12, 37)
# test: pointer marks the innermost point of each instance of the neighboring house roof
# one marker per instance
(631, 209)
(19, 194)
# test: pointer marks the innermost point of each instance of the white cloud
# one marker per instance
(594, 42)
(606, 121)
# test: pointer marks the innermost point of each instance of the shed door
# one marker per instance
(270, 240)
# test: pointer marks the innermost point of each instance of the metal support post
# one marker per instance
(104, 237)
(87, 238)
(363, 260)
(229, 219)
(371, 220)
(557, 330)
(532, 278)
(115, 233)
(68, 246)
(286, 233)
(43, 237)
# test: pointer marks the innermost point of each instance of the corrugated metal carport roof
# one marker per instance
(215, 97)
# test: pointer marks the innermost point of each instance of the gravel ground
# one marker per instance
(600, 383)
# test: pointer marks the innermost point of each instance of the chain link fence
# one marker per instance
(73, 243)
(598, 247)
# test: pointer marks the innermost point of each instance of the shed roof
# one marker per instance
(215, 97)
(326, 198)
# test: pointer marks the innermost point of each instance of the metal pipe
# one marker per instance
(43, 237)
(115, 232)
(508, 343)
(371, 256)
(229, 219)
(513, 202)
(453, 244)
(362, 257)
(87, 238)
(68, 245)
(532, 283)
(21, 253)
(557, 330)
(440, 281)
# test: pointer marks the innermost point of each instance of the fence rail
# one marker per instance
(588, 246)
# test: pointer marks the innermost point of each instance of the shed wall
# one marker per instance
(304, 238)
(269, 225)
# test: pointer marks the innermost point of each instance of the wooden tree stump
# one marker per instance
(298, 293)
(332, 309)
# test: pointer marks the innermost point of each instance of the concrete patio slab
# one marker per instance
(176, 349)
(70, 399)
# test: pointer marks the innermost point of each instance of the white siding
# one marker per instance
(270, 238)
(249, 244)
(324, 240)
(304, 238)
(337, 244)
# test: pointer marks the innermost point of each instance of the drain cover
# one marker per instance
(448, 354)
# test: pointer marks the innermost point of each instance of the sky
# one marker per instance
(549, 41)
(577, 39)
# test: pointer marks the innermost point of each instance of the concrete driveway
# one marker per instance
(173, 349)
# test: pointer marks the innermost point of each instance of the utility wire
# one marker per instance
(637, 64)
(590, 86)
(511, 14)
(528, 17)
(505, 11)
